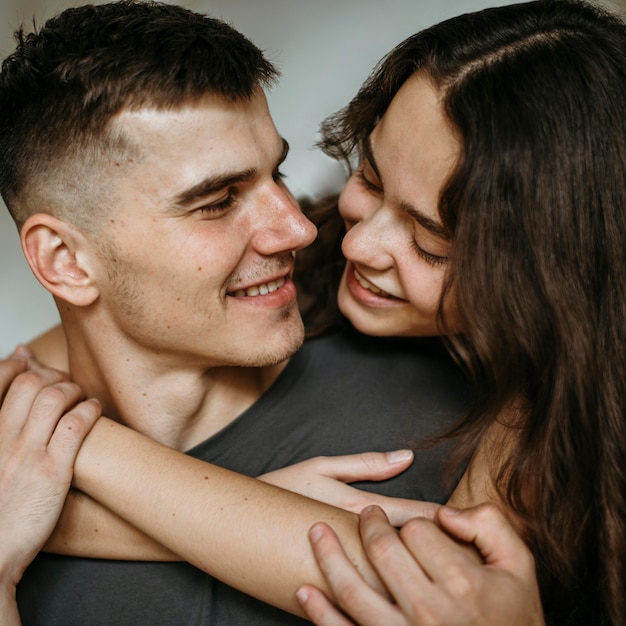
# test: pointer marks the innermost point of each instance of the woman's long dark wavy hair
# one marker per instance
(536, 209)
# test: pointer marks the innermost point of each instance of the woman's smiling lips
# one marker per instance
(366, 292)
(370, 286)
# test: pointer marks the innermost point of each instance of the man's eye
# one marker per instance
(218, 207)
(278, 176)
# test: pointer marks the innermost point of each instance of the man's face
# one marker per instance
(198, 254)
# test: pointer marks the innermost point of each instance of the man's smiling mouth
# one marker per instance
(259, 290)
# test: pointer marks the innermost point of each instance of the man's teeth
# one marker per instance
(260, 290)
(367, 285)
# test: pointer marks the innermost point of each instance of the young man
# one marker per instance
(142, 167)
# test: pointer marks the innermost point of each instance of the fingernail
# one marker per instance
(368, 510)
(315, 534)
(23, 351)
(399, 456)
(302, 595)
(450, 510)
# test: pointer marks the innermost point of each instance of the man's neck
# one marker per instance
(170, 402)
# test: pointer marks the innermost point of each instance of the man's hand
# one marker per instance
(432, 578)
(42, 425)
(324, 479)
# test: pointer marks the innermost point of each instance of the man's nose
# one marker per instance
(282, 225)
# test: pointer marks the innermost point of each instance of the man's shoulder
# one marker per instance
(349, 347)
(347, 363)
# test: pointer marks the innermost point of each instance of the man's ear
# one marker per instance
(58, 255)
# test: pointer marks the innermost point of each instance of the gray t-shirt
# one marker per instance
(342, 393)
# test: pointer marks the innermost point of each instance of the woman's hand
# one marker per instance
(42, 425)
(324, 479)
(430, 573)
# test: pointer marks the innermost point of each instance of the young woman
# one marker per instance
(488, 205)
(520, 233)
(491, 189)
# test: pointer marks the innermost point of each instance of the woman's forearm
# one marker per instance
(88, 529)
(8, 606)
(248, 534)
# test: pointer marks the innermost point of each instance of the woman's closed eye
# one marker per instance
(432, 259)
(366, 181)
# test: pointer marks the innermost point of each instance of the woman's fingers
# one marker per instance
(48, 405)
(42, 425)
(397, 510)
(403, 575)
(21, 393)
(489, 530)
(319, 609)
(9, 369)
(327, 479)
(365, 465)
(71, 430)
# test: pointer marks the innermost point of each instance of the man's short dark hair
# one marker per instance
(64, 82)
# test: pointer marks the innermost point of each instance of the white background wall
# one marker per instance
(325, 49)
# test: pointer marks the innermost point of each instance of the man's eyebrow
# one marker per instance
(436, 228)
(211, 184)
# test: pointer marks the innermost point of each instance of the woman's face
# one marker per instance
(395, 244)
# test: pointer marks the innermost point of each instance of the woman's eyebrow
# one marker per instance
(368, 154)
(432, 226)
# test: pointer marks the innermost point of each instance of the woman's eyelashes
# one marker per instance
(432, 259)
(366, 182)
